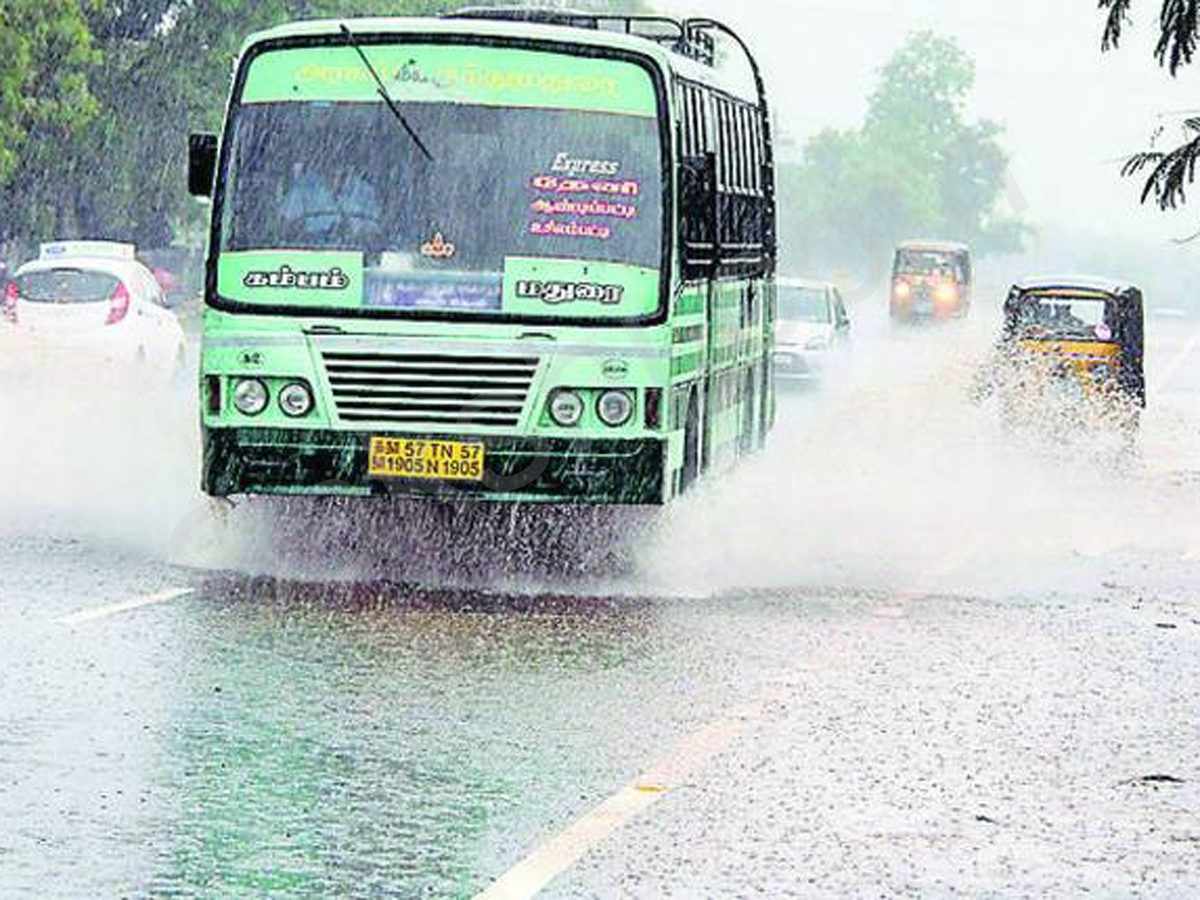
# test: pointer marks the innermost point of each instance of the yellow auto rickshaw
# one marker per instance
(931, 281)
(1071, 352)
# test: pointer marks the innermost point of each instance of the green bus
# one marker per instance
(507, 255)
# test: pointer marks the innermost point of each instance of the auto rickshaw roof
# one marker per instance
(1085, 283)
(948, 246)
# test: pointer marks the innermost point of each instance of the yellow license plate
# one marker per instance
(412, 458)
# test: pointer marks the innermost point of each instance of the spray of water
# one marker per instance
(894, 479)
(882, 478)
(92, 452)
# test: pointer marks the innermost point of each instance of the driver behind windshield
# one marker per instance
(322, 199)
(1079, 319)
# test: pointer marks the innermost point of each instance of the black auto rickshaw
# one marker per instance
(931, 280)
(1071, 350)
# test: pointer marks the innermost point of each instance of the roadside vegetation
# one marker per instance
(917, 167)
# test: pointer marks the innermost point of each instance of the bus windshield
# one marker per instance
(524, 206)
(503, 182)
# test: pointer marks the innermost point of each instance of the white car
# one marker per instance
(811, 321)
(94, 300)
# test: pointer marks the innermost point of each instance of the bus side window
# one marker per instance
(690, 125)
(744, 145)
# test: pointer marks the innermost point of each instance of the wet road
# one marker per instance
(891, 656)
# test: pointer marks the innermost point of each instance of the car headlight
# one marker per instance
(250, 396)
(947, 293)
(566, 408)
(614, 408)
(817, 343)
(902, 290)
(296, 400)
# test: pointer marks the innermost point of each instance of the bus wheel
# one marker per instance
(691, 445)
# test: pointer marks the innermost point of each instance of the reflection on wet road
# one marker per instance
(924, 663)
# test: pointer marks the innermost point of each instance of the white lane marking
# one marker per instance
(113, 609)
(687, 757)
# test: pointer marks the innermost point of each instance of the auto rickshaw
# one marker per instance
(1071, 351)
(931, 280)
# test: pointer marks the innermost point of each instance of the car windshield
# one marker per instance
(503, 182)
(1082, 318)
(803, 305)
(66, 285)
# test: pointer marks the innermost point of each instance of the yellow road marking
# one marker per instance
(686, 758)
(113, 609)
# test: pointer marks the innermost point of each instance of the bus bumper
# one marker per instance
(285, 461)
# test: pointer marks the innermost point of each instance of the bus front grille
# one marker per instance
(426, 389)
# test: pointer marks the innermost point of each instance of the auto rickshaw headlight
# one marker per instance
(947, 292)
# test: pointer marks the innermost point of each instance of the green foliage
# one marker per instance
(47, 53)
(916, 168)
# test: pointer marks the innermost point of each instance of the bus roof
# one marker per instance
(714, 77)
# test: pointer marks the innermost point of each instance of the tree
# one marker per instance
(916, 167)
(44, 101)
(1171, 172)
(166, 73)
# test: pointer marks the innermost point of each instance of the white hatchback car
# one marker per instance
(811, 321)
(94, 298)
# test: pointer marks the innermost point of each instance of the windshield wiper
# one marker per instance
(382, 91)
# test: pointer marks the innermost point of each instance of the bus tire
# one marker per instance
(691, 445)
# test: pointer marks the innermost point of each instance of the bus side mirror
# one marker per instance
(697, 214)
(202, 164)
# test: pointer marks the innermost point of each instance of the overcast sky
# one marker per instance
(1069, 110)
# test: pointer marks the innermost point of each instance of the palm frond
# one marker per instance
(1177, 42)
(1118, 17)
(1171, 173)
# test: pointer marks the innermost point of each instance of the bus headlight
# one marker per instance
(566, 408)
(615, 408)
(250, 396)
(296, 400)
